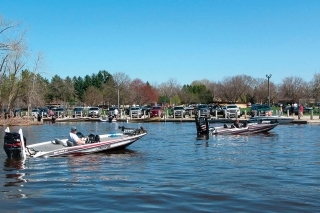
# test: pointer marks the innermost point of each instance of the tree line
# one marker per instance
(22, 86)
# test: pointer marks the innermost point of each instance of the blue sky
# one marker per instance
(158, 40)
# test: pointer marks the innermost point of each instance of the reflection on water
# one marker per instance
(14, 164)
(14, 178)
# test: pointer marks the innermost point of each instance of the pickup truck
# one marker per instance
(94, 112)
(231, 111)
(179, 111)
(135, 112)
(156, 111)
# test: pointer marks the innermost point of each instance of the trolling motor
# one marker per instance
(202, 125)
(13, 145)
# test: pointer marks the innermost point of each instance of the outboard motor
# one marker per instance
(202, 125)
(92, 138)
(12, 144)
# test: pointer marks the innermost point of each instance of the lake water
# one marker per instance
(169, 171)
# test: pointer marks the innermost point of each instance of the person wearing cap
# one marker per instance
(74, 138)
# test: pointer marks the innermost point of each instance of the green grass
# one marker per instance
(276, 109)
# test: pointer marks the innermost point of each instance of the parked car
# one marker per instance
(35, 112)
(179, 111)
(203, 110)
(44, 112)
(94, 112)
(307, 109)
(78, 112)
(216, 109)
(147, 109)
(135, 112)
(189, 111)
(156, 111)
(20, 112)
(296, 110)
(112, 111)
(59, 112)
(4, 113)
(260, 109)
(231, 111)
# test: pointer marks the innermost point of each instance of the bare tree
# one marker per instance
(93, 96)
(314, 87)
(169, 89)
(14, 57)
(233, 89)
(11, 81)
(121, 85)
(36, 89)
(293, 88)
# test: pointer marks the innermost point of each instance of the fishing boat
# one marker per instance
(249, 128)
(274, 118)
(15, 144)
(204, 130)
(109, 119)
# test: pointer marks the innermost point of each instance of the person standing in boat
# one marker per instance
(74, 138)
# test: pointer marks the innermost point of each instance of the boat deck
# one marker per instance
(60, 144)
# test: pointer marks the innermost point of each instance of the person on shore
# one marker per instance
(280, 110)
(74, 138)
(301, 110)
(39, 117)
(53, 118)
(116, 113)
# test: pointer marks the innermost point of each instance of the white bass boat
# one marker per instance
(15, 146)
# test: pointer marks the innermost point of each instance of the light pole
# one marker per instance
(268, 76)
(118, 97)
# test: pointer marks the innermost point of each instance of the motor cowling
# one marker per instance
(13, 145)
(92, 138)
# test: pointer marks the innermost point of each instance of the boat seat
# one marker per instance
(58, 141)
(69, 143)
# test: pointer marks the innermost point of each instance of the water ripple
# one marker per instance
(170, 170)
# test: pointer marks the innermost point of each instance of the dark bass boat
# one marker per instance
(109, 119)
(204, 131)
(272, 119)
(15, 144)
(249, 128)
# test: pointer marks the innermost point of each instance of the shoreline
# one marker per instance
(25, 121)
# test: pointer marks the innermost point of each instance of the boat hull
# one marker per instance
(272, 119)
(15, 147)
(249, 129)
(108, 143)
